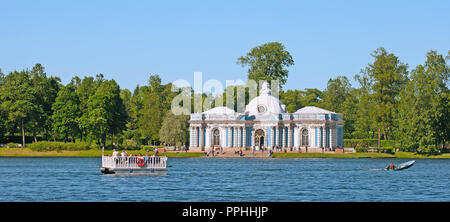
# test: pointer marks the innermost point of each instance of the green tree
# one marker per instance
(267, 62)
(18, 96)
(364, 120)
(423, 112)
(340, 97)
(106, 113)
(46, 90)
(134, 107)
(152, 111)
(85, 89)
(3, 113)
(156, 100)
(66, 112)
(336, 93)
(311, 97)
(293, 99)
(388, 76)
(174, 129)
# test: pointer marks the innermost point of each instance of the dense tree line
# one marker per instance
(389, 103)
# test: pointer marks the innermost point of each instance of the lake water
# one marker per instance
(198, 179)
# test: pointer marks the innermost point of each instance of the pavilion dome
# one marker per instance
(221, 110)
(312, 110)
(265, 103)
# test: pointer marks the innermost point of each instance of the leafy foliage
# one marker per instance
(267, 62)
(390, 107)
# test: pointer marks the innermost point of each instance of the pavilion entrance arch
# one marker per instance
(260, 136)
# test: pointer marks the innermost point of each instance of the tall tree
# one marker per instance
(66, 112)
(18, 96)
(174, 129)
(156, 100)
(106, 113)
(267, 62)
(293, 100)
(364, 121)
(151, 112)
(388, 76)
(340, 97)
(46, 90)
(311, 97)
(134, 107)
(336, 93)
(85, 89)
(424, 109)
(3, 113)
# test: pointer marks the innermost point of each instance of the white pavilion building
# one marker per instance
(266, 123)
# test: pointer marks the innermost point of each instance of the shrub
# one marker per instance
(58, 146)
(428, 149)
(360, 142)
(129, 144)
(374, 149)
(12, 145)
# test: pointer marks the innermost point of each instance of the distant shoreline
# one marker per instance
(26, 152)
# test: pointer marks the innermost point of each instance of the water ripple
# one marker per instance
(191, 179)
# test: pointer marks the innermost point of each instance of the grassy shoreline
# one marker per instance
(26, 152)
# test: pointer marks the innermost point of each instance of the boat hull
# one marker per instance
(403, 166)
(133, 171)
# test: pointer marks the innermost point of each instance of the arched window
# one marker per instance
(305, 137)
(216, 137)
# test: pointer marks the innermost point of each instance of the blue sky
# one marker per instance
(129, 40)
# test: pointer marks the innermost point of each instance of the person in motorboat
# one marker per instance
(391, 166)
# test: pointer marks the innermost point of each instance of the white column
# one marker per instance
(223, 137)
(253, 137)
(332, 143)
(208, 137)
(191, 142)
(236, 136)
(229, 137)
(195, 137)
(244, 137)
(324, 136)
(314, 136)
(201, 137)
(277, 136)
(289, 137)
(239, 137)
(294, 137)
(233, 144)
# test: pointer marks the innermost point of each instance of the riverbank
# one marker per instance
(25, 152)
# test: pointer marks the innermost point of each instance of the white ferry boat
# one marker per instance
(134, 165)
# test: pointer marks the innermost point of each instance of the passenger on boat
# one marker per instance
(115, 156)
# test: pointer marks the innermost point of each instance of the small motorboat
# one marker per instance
(402, 166)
